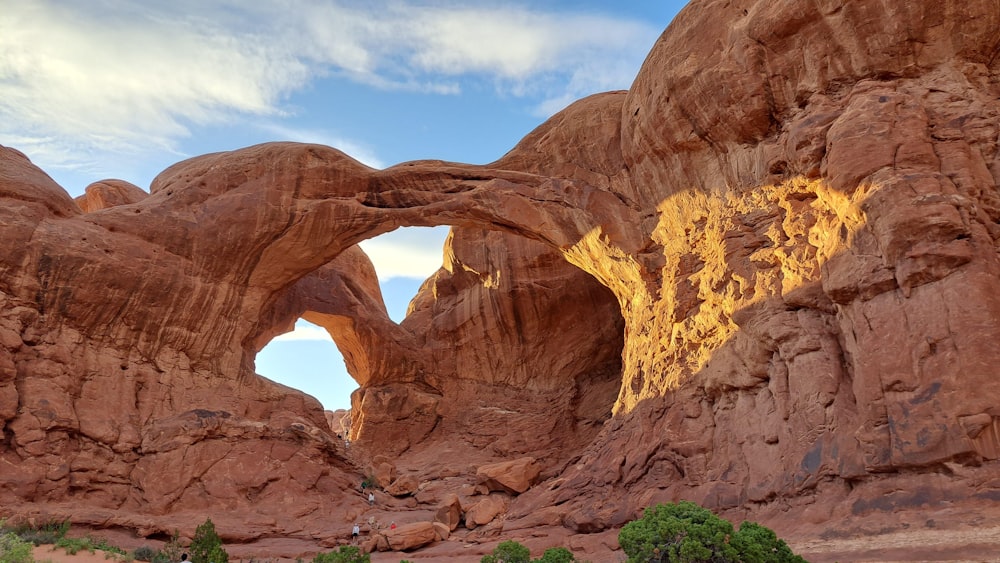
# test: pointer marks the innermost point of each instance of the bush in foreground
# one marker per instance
(206, 545)
(15, 550)
(556, 555)
(346, 554)
(47, 532)
(508, 552)
(687, 533)
(513, 552)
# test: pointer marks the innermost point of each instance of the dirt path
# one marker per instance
(977, 545)
(43, 553)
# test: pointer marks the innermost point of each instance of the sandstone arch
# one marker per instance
(773, 198)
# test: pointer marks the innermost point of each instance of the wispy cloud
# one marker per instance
(304, 331)
(414, 252)
(124, 78)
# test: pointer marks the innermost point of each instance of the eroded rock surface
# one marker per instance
(764, 279)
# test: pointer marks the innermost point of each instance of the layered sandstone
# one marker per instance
(763, 279)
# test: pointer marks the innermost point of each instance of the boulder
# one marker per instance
(411, 536)
(383, 471)
(371, 544)
(442, 531)
(403, 486)
(449, 512)
(515, 476)
(485, 510)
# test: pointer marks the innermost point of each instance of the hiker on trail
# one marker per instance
(371, 499)
(355, 531)
(392, 526)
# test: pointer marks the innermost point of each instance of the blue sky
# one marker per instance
(123, 89)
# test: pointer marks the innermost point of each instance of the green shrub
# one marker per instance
(75, 545)
(171, 551)
(687, 533)
(346, 554)
(759, 544)
(47, 532)
(15, 550)
(206, 545)
(508, 552)
(556, 555)
(103, 545)
(144, 553)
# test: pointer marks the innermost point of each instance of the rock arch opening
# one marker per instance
(403, 260)
(307, 359)
(508, 350)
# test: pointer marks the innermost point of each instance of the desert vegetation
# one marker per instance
(687, 533)
(680, 532)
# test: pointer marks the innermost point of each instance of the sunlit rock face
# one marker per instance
(764, 279)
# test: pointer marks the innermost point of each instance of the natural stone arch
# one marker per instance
(281, 211)
(786, 102)
(512, 313)
(285, 218)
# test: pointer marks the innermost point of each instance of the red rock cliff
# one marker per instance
(763, 279)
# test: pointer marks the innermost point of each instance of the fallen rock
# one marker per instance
(410, 536)
(372, 544)
(513, 477)
(484, 511)
(442, 531)
(403, 486)
(383, 471)
(449, 512)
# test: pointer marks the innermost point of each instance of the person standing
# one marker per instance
(371, 499)
(355, 531)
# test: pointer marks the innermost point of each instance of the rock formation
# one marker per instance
(764, 279)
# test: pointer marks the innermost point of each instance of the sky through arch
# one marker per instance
(308, 360)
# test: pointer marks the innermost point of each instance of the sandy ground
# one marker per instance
(968, 545)
(956, 546)
(44, 553)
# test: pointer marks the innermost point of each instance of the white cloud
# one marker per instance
(412, 252)
(115, 77)
(303, 331)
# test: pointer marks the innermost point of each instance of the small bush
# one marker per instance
(171, 551)
(75, 545)
(103, 545)
(144, 553)
(556, 555)
(15, 550)
(346, 554)
(47, 532)
(206, 545)
(687, 533)
(508, 552)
